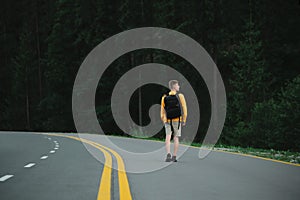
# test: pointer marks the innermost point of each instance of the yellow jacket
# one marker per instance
(163, 115)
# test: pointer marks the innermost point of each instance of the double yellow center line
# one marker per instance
(104, 192)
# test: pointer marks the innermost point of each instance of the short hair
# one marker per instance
(172, 83)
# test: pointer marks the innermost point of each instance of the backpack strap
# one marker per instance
(179, 102)
(166, 94)
(172, 128)
(180, 108)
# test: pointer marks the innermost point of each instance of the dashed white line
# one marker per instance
(29, 165)
(4, 178)
(49, 138)
(52, 151)
(44, 157)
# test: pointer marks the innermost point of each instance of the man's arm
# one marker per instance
(183, 107)
(162, 110)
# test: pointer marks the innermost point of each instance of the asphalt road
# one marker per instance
(69, 173)
(72, 172)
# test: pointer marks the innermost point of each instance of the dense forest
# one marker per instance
(255, 44)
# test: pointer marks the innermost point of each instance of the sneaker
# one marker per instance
(174, 159)
(168, 159)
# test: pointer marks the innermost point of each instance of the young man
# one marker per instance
(173, 114)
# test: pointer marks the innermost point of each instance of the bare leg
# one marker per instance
(168, 138)
(176, 144)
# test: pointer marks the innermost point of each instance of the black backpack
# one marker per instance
(172, 106)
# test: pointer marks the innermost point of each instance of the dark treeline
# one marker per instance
(255, 44)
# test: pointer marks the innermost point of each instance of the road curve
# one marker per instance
(59, 168)
(73, 173)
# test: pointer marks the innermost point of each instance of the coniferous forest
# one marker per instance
(255, 44)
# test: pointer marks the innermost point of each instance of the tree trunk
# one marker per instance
(38, 50)
(27, 102)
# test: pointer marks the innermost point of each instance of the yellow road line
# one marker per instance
(247, 155)
(236, 153)
(104, 192)
(124, 189)
(258, 157)
(105, 184)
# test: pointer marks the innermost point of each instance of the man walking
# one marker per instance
(173, 114)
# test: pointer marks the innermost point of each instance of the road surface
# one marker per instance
(39, 166)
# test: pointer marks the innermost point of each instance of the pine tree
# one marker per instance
(249, 84)
(65, 47)
(23, 71)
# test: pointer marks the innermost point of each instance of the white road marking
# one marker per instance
(56, 145)
(44, 157)
(49, 138)
(52, 151)
(56, 148)
(4, 178)
(29, 165)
